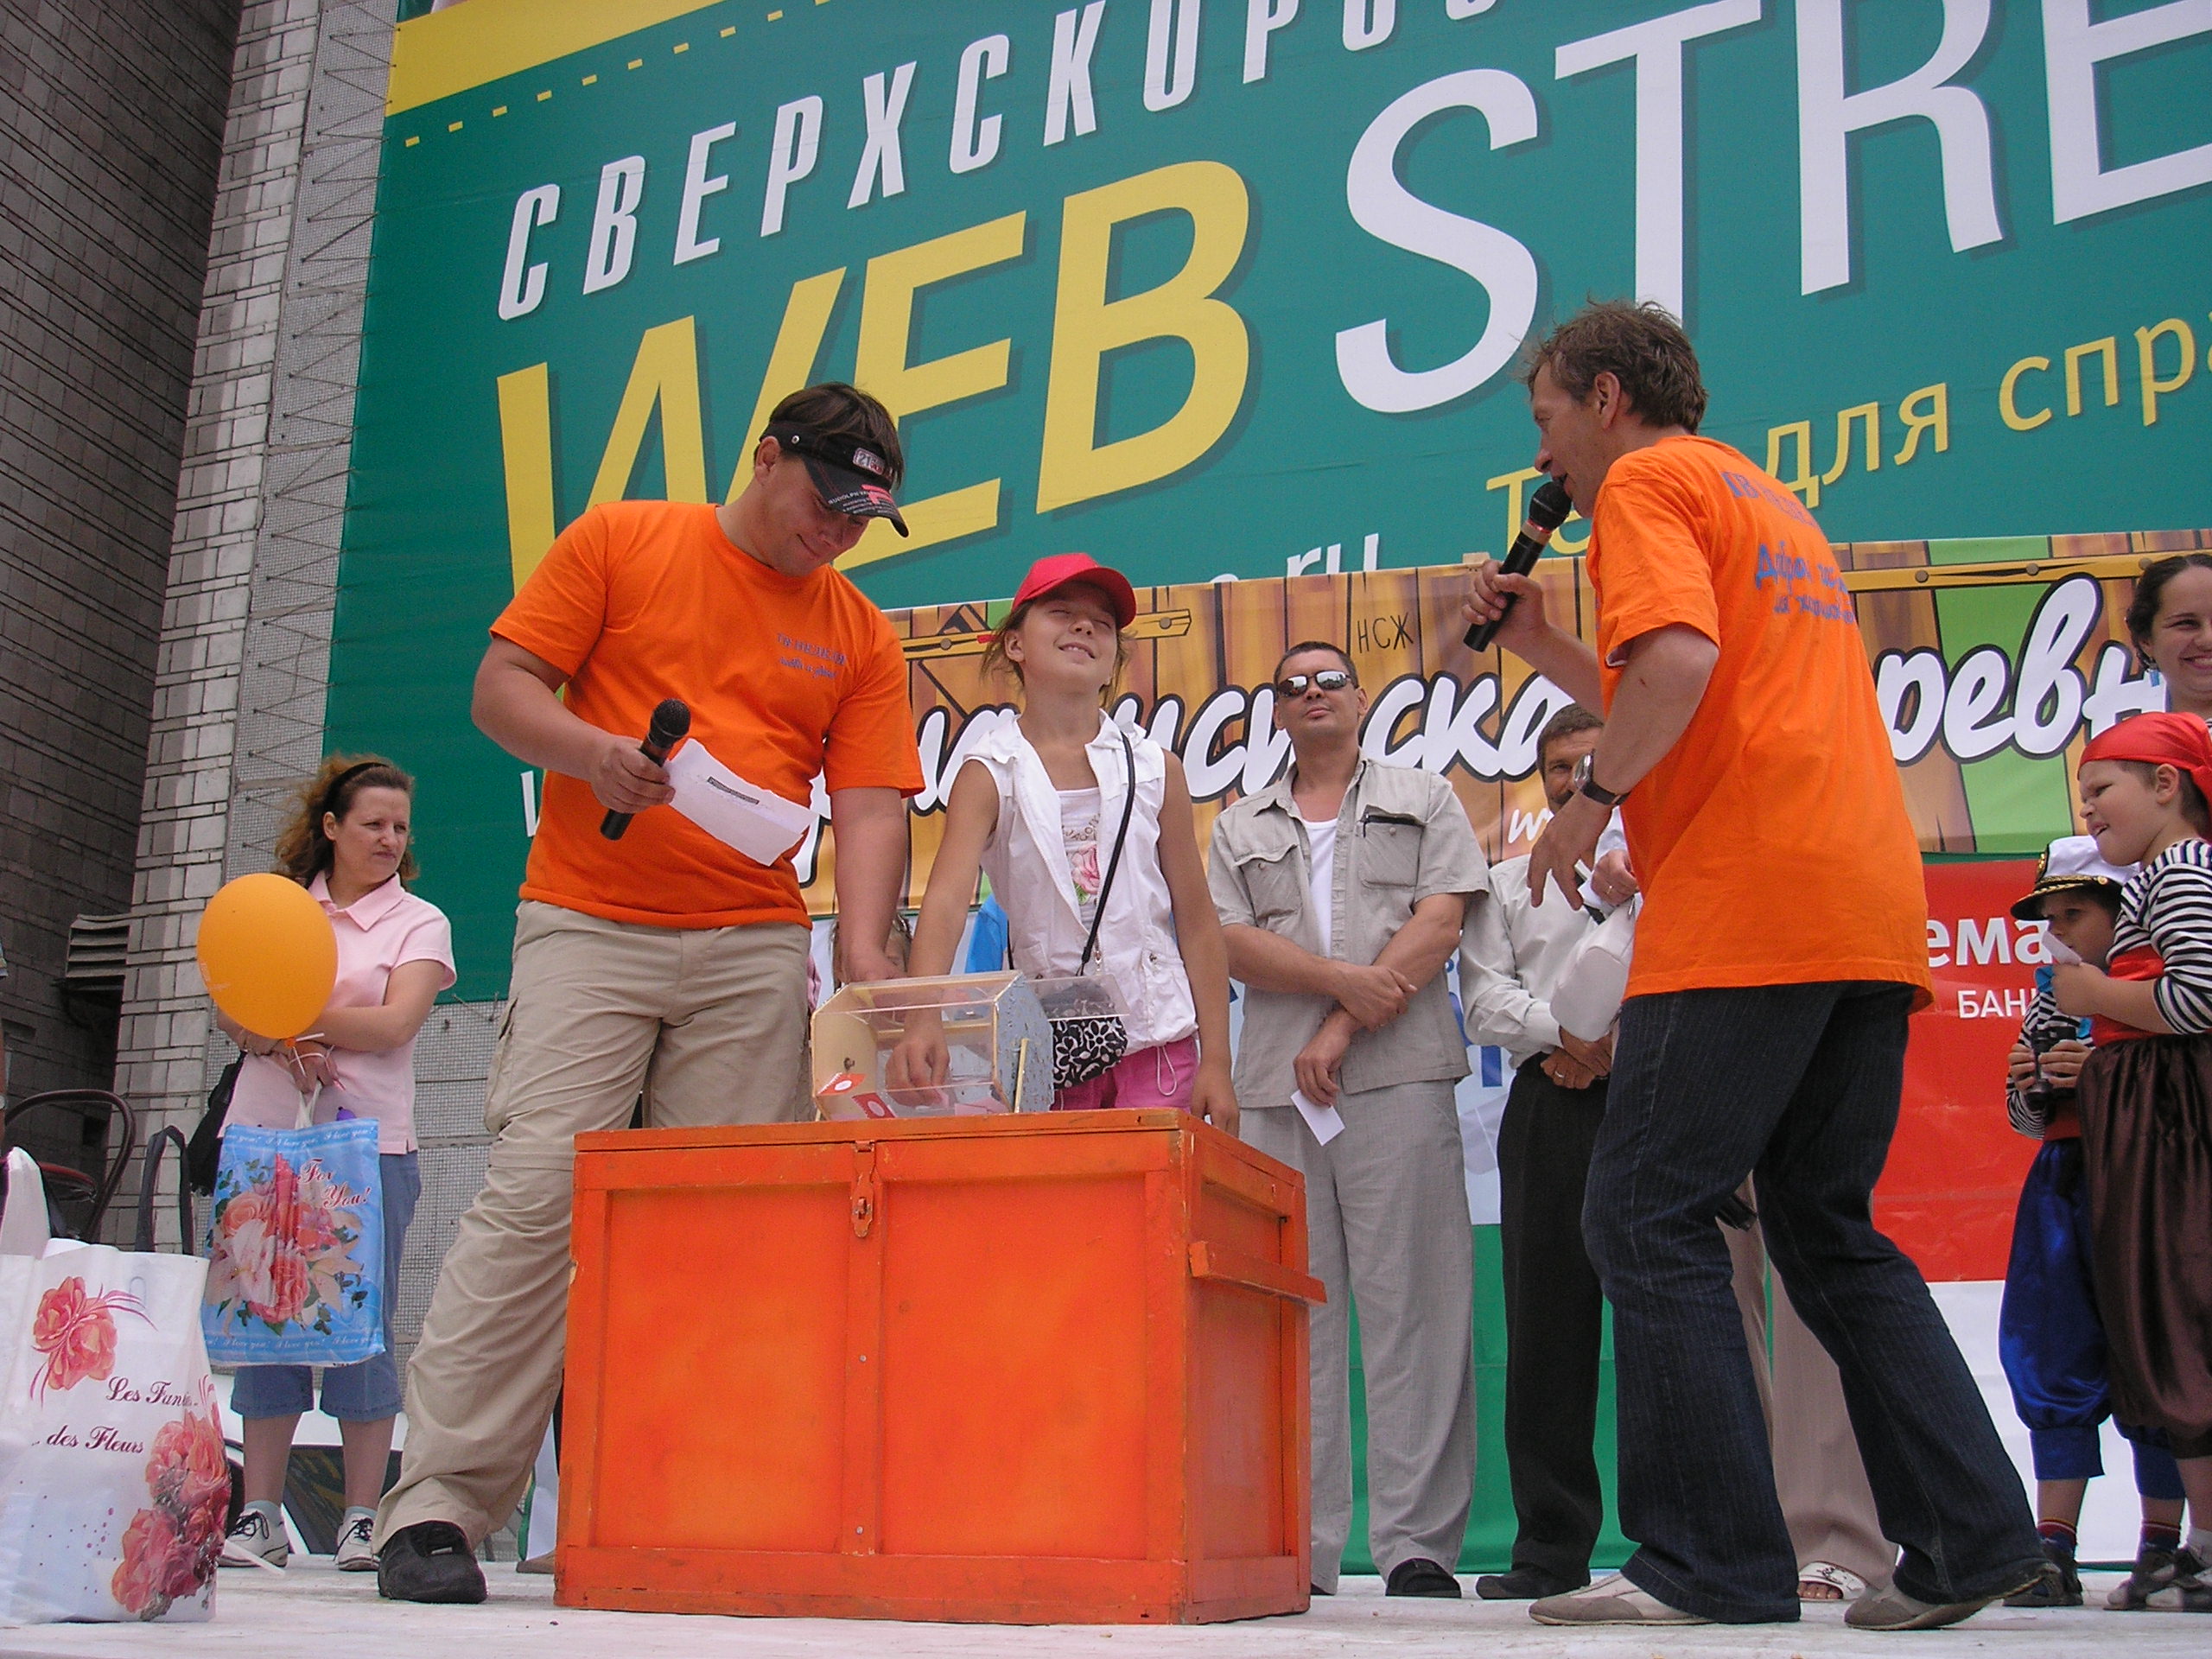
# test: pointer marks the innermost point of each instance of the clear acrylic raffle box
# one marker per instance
(962, 1045)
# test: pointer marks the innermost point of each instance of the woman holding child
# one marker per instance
(2059, 1334)
(2145, 1094)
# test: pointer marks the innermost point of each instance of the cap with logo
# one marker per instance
(1048, 575)
(850, 476)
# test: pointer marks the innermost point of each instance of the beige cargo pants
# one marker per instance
(709, 1025)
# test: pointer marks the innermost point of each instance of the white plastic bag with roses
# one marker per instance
(113, 1483)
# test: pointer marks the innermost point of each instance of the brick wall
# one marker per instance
(244, 644)
(112, 123)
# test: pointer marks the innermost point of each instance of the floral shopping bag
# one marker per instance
(113, 1483)
(296, 1269)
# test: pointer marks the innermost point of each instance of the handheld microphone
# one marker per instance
(1548, 511)
(671, 722)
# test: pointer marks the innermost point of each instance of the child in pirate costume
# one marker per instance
(2144, 1097)
(2049, 1336)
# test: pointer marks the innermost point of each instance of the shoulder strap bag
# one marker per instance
(1087, 1046)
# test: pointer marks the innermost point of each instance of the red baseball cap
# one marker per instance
(1049, 574)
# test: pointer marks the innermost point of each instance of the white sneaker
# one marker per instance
(357, 1550)
(258, 1541)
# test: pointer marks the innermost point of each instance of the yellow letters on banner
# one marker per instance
(790, 361)
(1515, 513)
(1937, 420)
(1807, 484)
(1871, 414)
(1511, 483)
(527, 447)
(881, 369)
(666, 372)
(2110, 346)
(2147, 350)
(1087, 326)
(2008, 408)
(1924, 412)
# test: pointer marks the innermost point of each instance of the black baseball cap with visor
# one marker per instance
(850, 477)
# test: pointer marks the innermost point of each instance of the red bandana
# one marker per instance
(2177, 740)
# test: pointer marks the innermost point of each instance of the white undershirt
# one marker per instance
(1079, 838)
(1321, 842)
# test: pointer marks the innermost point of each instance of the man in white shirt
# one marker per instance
(1510, 964)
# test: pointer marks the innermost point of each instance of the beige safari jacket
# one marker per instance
(1401, 836)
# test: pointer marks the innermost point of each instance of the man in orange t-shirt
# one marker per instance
(1781, 948)
(666, 964)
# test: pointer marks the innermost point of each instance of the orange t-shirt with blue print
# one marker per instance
(1772, 842)
(788, 678)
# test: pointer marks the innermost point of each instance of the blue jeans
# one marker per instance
(368, 1392)
(1799, 1084)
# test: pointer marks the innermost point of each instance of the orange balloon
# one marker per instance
(268, 954)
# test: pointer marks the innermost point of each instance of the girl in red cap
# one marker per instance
(1095, 875)
(2145, 1097)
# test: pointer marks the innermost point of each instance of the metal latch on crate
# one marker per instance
(865, 1192)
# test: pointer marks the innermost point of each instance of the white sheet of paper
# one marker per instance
(758, 821)
(1326, 1123)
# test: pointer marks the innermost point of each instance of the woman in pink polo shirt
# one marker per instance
(347, 845)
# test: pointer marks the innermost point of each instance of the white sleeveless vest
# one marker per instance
(1026, 861)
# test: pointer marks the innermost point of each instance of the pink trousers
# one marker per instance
(1152, 1076)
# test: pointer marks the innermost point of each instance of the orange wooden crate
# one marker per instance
(1033, 1370)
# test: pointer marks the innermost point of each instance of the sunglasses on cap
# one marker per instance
(1328, 679)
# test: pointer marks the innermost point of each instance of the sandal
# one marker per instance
(1826, 1581)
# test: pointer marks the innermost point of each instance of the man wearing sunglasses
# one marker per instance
(1341, 889)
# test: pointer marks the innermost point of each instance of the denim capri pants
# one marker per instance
(364, 1393)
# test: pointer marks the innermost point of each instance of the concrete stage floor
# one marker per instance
(312, 1610)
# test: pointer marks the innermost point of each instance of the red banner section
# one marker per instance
(1955, 1166)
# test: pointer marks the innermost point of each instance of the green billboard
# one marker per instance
(1215, 288)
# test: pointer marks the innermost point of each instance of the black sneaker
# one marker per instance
(1421, 1578)
(2059, 1585)
(429, 1562)
(1525, 1584)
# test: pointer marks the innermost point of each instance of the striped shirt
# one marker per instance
(2167, 909)
(2044, 1026)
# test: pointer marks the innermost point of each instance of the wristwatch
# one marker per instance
(1586, 783)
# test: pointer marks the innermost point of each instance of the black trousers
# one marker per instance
(1554, 1316)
